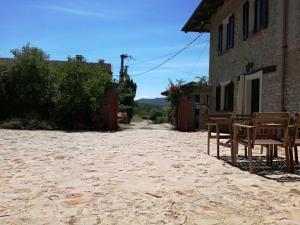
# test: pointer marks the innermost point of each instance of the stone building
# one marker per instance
(100, 64)
(254, 53)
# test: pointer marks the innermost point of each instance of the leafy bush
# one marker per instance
(27, 123)
(160, 120)
(65, 94)
(155, 114)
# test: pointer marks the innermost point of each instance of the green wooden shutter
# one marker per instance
(263, 14)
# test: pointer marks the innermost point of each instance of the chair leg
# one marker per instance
(232, 149)
(296, 155)
(250, 158)
(276, 151)
(208, 140)
(218, 142)
(268, 155)
(261, 149)
(235, 152)
(246, 154)
(291, 158)
(271, 155)
(287, 156)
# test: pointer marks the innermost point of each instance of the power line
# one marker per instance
(159, 57)
(150, 60)
(170, 58)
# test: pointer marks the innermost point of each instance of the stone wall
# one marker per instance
(293, 58)
(263, 49)
(106, 118)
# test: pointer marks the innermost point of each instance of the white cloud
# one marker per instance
(78, 12)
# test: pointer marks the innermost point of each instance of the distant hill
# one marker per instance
(153, 101)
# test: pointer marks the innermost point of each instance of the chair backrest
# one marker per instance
(217, 117)
(242, 118)
(270, 125)
(224, 121)
(267, 119)
(245, 119)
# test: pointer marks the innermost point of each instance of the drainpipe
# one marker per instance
(284, 53)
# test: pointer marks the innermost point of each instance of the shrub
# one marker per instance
(160, 120)
(155, 114)
(27, 124)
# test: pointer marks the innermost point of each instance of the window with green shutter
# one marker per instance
(230, 32)
(261, 15)
(220, 40)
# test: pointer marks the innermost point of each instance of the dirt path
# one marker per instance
(136, 176)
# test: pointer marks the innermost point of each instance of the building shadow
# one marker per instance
(278, 172)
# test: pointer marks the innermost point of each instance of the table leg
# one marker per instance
(296, 155)
(218, 141)
(208, 139)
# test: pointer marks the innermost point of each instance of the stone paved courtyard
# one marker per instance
(135, 176)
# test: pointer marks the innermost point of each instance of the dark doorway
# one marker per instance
(255, 95)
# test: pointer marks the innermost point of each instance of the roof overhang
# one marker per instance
(204, 89)
(200, 20)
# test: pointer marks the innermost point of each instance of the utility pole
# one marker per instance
(124, 69)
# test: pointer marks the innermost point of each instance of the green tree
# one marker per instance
(26, 84)
(79, 92)
(126, 92)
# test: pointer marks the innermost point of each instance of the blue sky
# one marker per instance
(145, 29)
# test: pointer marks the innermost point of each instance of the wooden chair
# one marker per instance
(222, 125)
(245, 119)
(263, 132)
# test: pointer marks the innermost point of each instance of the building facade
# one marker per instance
(254, 53)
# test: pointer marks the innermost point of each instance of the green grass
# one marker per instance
(136, 119)
(156, 114)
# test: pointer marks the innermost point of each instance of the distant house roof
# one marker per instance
(6, 60)
(100, 64)
(200, 20)
(194, 85)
